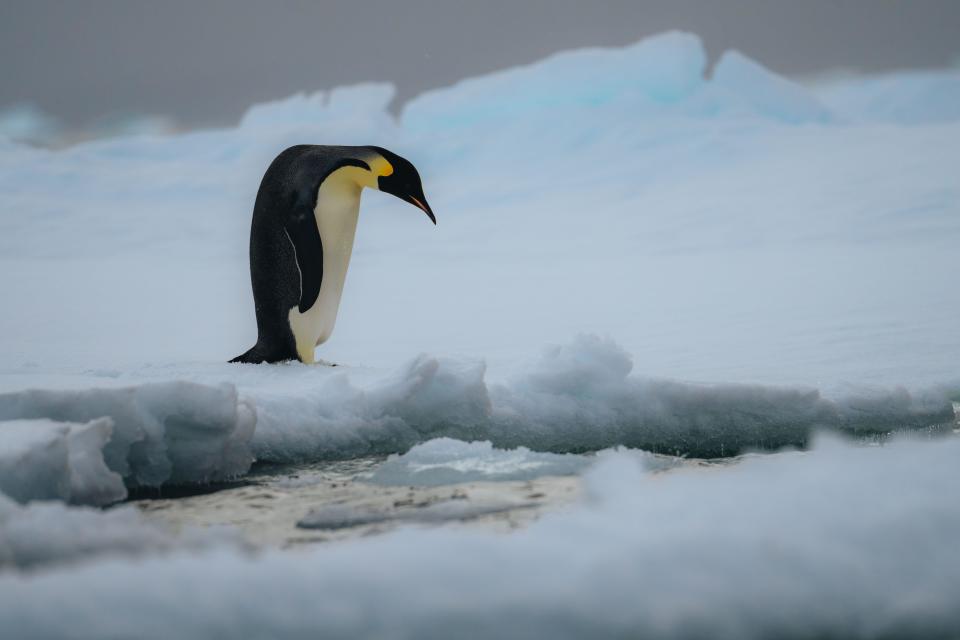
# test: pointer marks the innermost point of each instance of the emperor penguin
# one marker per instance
(304, 221)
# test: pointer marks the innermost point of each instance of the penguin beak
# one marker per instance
(423, 206)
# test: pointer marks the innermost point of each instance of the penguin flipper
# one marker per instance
(308, 249)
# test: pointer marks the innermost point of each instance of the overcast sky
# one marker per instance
(204, 61)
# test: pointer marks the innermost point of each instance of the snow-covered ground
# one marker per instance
(841, 542)
(632, 251)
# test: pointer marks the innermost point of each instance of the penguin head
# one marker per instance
(402, 180)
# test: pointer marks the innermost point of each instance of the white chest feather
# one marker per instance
(336, 214)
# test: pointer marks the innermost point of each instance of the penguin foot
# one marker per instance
(259, 354)
(324, 363)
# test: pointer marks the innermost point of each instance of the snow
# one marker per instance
(171, 432)
(45, 534)
(840, 542)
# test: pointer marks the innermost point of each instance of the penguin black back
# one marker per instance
(305, 189)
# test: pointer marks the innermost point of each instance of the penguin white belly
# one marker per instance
(336, 214)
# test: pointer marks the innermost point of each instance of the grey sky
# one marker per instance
(204, 61)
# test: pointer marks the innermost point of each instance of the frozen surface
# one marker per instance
(47, 460)
(159, 433)
(840, 542)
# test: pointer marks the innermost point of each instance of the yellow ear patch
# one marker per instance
(380, 167)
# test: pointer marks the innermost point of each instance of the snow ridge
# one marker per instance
(579, 397)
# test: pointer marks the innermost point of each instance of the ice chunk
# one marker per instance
(443, 461)
(176, 432)
(33, 460)
(91, 481)
(448, 461)
(47, 460)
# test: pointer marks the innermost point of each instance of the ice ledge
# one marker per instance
(149, 435)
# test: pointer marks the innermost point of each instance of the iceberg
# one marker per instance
(653, 74)
(596, 89)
